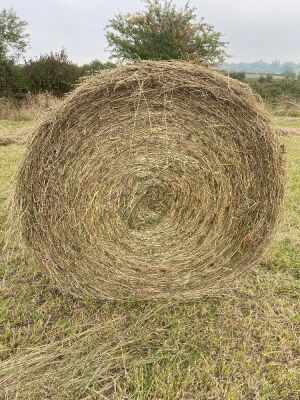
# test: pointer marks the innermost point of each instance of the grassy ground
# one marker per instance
(245, 345)
(287, 122)
(14, 130)
(10, 126)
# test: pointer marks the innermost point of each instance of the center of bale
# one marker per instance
(150, 209)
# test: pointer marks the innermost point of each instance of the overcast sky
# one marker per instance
(256, 29)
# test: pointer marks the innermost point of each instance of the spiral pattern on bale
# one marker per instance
(153, 180)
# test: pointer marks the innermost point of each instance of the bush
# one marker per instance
(96, 66)
(13, 81)
(266, 78)
(52, 73)
(241, 76)
(273, 91)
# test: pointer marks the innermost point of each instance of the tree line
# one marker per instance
(275, 67)
(52, 73)
(159, 32)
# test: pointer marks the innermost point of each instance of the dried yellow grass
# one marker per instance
(153, 180)
(31, 107)
(18, 117)
(74, 364)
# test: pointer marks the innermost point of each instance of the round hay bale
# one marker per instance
(153, 180)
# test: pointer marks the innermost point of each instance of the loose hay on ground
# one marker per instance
(154, 180)
(288, 131)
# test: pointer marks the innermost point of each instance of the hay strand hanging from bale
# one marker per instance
(154, 180)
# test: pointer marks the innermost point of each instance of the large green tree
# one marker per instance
(13, 42)
(13, 38)
(163, 32)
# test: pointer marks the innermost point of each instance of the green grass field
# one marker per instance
(242, 346)
(287, 122)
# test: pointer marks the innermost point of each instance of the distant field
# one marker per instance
(243, 346)
(255, 76)
(15, 130)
